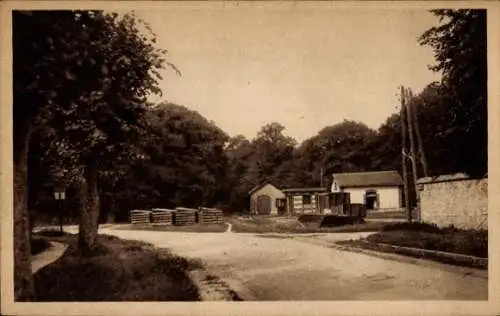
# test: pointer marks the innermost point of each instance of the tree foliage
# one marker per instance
(86, 76)
(459, 45)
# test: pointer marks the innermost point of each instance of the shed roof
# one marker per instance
(366, 179)
(259, 186)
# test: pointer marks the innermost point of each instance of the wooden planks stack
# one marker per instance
(162, 216)
(140, 217)
(209, 215)
(185, 216)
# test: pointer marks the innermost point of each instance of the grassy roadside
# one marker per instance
(264, 224)
(198, 228)
(421, 240)
(119, 270)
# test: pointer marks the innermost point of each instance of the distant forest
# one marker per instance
(173, 156)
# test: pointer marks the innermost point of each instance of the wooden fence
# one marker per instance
(209, 215)
(140, 217)
(162, 216)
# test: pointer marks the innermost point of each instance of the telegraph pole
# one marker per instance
(420, 142)
(404, 155)
(413, 159)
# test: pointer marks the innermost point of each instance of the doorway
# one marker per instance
(371, 200)
(263, 205)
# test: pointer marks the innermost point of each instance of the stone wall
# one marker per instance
(461, 202)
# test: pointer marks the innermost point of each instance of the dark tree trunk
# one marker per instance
(89, 215)
(23, 278)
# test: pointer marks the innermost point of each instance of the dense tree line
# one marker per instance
(82, 121)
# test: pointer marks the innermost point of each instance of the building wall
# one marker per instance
(270, 190)
(462, 203)
(389, 197)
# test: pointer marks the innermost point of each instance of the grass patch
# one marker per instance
(290, 225)
(473, 243)
(428, 236)
(39, 244)
(197, 228)
(119, 270)
(264, 224)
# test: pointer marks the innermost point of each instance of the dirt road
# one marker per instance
(264, 268)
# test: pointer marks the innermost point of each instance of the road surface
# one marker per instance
(264, 268)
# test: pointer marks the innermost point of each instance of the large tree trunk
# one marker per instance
(23, 278)
(89, 216)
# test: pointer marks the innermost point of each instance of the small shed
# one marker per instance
(267, 199)
(303, 200)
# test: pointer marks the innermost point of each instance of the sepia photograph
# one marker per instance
(238, 151)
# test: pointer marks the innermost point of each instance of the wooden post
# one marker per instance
(403, 155)
(413, 159)
(321, 177)
(420, 142)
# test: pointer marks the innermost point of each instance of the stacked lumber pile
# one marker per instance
(140, 217)
(185, 216)
(209, 215)
(162, 216)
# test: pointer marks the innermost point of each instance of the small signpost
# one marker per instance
(60, 196)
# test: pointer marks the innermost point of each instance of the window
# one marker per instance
(306, 199)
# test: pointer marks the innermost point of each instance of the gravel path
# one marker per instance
(48, 256)
(281, 268)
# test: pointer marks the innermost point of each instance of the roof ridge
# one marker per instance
(359, 172)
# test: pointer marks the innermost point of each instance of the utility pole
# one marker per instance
(413, 159)
(321, 177)
(420, 142)
(404, 155)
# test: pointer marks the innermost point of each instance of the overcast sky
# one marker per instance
(304, 66)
